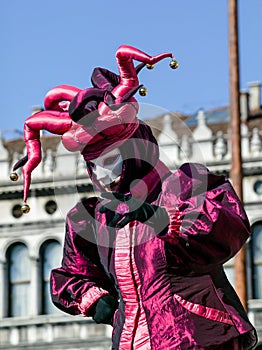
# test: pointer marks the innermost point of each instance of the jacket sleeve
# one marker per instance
(213, 225)
(81, 280)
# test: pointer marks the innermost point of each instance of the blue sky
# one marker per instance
(52, 42)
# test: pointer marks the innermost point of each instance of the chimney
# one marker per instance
(254, 95)
(244, 105)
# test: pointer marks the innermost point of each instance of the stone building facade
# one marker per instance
(31, 245)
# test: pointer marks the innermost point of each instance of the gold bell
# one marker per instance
(13, 176)
(173, 64)
(143, 91)
(25, 208)
(149, 66)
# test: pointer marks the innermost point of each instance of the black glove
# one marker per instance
(127, 209)
(104, 309)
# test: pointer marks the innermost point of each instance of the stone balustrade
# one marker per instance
(53, 332)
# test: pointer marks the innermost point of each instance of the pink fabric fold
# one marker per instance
(204, 311)
(173, 231)
(135, 334)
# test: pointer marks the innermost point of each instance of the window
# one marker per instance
(17, 211)
(19, 280)
(258, 187)
(51, 254)
(256, 260)
(50, 207)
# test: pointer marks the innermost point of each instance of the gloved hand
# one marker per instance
(104, 309)
(127, 209)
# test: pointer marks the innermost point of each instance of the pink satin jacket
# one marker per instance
(171, 286)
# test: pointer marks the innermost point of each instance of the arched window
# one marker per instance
(19, 280)
(51, 255)
(256, 260)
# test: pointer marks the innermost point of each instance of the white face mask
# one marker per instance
(108, 167)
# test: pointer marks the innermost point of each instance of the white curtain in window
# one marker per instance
(19, 280)
(257, 260)
(230, 271)
(51, 258)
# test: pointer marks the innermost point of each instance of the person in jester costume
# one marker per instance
(146, 253)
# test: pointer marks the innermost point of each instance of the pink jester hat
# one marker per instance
(90, 119)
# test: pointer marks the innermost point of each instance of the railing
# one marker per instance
(255, 315)
(63, 332)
